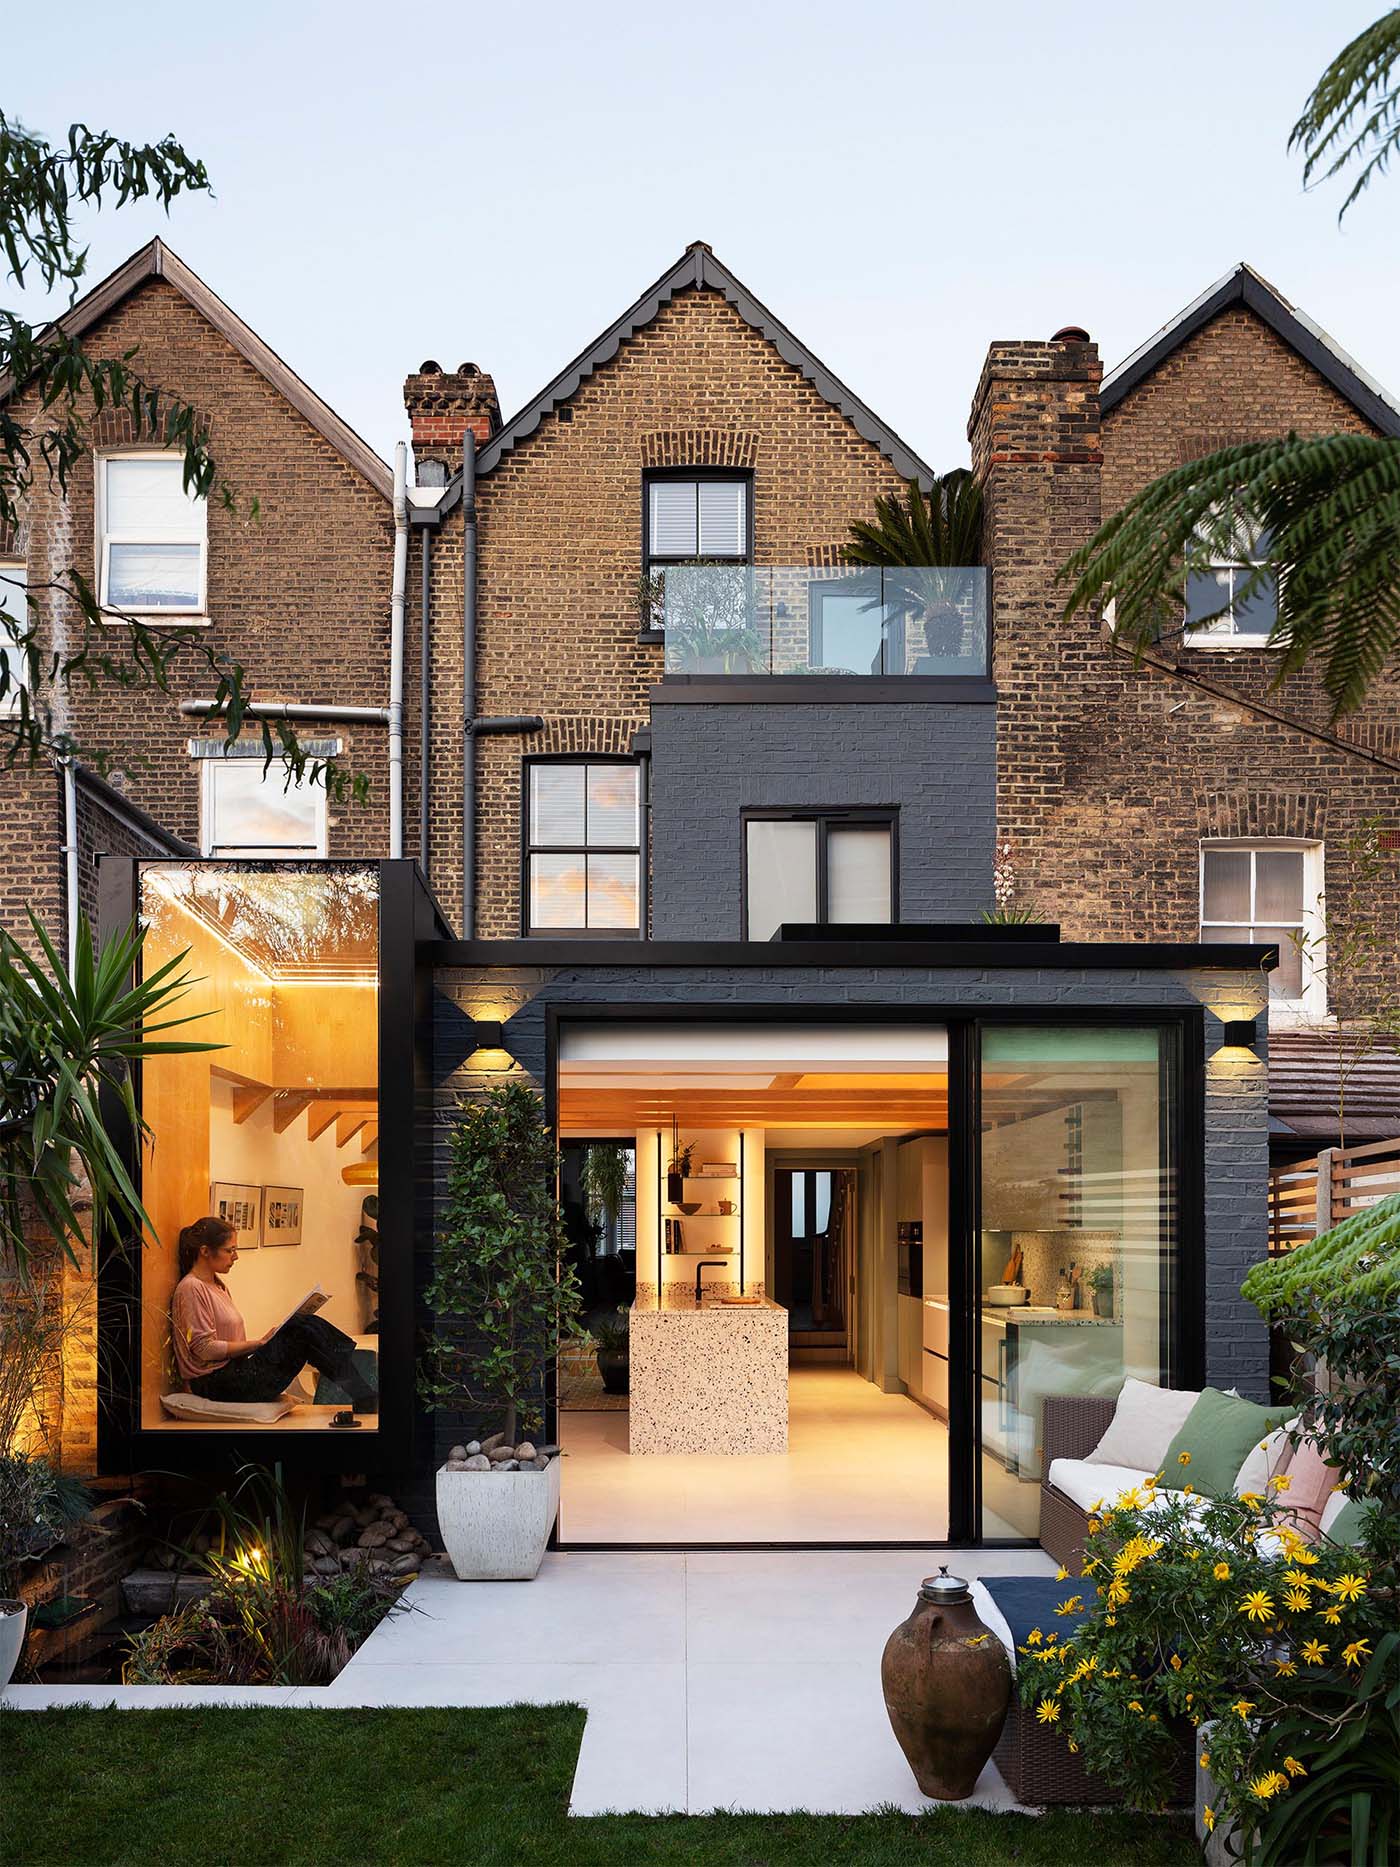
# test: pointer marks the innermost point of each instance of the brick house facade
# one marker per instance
(298, 593)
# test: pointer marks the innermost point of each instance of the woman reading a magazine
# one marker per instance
(215, 1355)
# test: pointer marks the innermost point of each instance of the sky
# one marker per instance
(899, 184)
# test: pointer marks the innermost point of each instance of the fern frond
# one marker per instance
(1354, 108)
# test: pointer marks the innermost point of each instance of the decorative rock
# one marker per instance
(343, 1528)
(498, 1453)
(478, 1462)
(366, 1517)
(327, 1565)
(539, 1465)
(473, 1447)
(405, 1565)
(458, 1452)
(549, 1452)
(381, 1501)
(405, 1543)
(525, 1452)
(493, 1439)
(456, 1465)
(507, 1465)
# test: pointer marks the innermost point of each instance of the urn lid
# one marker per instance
(944, 1588)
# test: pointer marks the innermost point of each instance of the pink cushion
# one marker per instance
(1311, 1481)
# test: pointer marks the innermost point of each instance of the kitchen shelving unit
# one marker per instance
(664, 1211)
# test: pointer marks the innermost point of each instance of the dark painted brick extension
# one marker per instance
(936, 764)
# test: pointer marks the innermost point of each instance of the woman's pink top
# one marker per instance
(201, 1314)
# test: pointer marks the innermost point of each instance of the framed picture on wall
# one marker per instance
(282, 1215)
(242, 1206)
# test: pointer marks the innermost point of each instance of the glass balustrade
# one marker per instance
(742, 619)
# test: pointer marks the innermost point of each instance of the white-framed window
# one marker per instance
(1271, 892)
(248, 811)
(700, 515)
(14, 616)
(818, 867)
(583, 847)
(1222, 583)
(152, 536)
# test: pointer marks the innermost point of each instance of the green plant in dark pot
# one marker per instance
(502, 1296)
(612, 1339)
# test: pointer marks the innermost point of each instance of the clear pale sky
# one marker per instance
(899, 183)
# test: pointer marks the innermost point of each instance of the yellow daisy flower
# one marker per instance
(1034, 1637)
(1072, 1606)
(1293, 1767)
(1183, 1458)
(1205, 1759)
(1257, 1605)
(976, 1640)
(1331, 1615)
(1221, 1571)
(1298, 1578)
(1356, 1652)
(1349, 1587)
(1208, 1818)
(1134, 1704)
(1284, 1669)
(1301, 1553)
(1176, 1662)
(1244, 1706)
(1252, 1498)
(1062, 1575)
(1280, 1481)
(1048, 1711)
(1269, 1784)
(1297, 1600)
(1314, 1652)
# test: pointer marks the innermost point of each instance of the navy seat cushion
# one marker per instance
(1029, 1601)
(330, 1393)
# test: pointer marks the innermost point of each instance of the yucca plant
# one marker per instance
(66, 1039)
(1329, 505)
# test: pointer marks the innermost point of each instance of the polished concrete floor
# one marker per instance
(861, 1467)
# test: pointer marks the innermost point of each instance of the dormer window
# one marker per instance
(152, 536)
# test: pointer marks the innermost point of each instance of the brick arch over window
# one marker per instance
(699, 447)
(1262, 814)
(826, 557)
(612, 737)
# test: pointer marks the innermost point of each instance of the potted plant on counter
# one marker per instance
(1101, 1283)
(502, 1296)
(612, 1338)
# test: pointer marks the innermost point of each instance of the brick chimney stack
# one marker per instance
(443, 404)
(1036, 448)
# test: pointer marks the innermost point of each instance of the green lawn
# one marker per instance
(254, 1788)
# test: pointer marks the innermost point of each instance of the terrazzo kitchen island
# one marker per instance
(708, 1376)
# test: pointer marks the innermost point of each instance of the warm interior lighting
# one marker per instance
(487, 1034)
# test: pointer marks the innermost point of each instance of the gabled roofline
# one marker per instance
(1244, 286)
(698, 268)
(156, 261)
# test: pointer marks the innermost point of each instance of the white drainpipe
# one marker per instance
(396, 620)
(70, 858)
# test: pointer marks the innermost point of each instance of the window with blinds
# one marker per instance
(1271, 892)
(703, 517)
(153, 536)
(825, 868)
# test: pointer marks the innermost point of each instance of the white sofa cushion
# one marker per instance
(991, 1616)
(1144, 1423)
(196, 1407)
(1266, 1460)
(1091, 1485)
(1333, 1509)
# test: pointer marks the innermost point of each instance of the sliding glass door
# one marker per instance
(1076, 1259)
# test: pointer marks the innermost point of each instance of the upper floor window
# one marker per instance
(583, 847)
(1223, 584)
(1271, 892)
(818, 867)
(14, 622)
(249, 811)
(701, 515)
(152, 536)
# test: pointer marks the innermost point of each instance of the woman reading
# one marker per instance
(216, 1357)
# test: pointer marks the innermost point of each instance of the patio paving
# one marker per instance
(712, 1680)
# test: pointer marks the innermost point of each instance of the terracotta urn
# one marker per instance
(947, 1685)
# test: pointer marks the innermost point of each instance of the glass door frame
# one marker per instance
(1185, 1111)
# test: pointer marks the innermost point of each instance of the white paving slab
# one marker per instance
(712, 1680)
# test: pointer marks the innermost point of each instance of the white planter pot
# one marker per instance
(12, 1623)
(495, 1525)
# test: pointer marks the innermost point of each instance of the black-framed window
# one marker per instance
(818, 866)
(583, 847)
(702, 514)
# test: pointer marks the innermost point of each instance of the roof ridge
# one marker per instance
(157, 260)
(699, 269)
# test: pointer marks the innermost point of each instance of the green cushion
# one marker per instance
(1345, 1527)
(1218, 1432)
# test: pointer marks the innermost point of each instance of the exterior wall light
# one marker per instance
(1238, 1034)
(489, 1034)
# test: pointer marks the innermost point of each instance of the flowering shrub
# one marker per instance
(1218, 1611)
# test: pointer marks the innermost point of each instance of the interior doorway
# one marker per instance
(814, 1212)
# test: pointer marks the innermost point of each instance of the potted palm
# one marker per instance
(612, 1338)
(923, 545)
(502, 1297)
